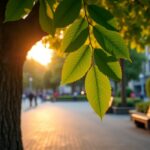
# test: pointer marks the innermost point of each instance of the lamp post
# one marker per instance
(141, 76)
(30, 83)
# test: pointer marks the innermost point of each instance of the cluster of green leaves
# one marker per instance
(143, 106)
(52, 76)
(133, 19)
(34, 70)
(86, 24)
(133, 70)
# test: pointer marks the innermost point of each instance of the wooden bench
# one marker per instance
(141, 118)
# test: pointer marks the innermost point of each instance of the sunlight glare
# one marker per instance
(40, 53)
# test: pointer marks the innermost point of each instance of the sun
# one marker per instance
(40, 53)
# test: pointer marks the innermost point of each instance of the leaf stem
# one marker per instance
(89, 24)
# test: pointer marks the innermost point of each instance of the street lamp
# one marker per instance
(141, 76)
(30, 83)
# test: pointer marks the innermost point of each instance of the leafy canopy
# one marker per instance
(133, 20)
(91, 41)
(133, 71)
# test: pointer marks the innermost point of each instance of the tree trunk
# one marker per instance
(73, 86)
(10, 104)
(123, 84)
(16, 38)
(115, 88)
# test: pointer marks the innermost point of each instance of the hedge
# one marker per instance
(131, 102)
(71, 98)
(116, 102)
(143, 106)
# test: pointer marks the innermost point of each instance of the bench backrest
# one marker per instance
(148, 112)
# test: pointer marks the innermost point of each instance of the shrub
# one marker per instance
(118, 93)
(130, 102)
(70, 98)
(142, 106)
(128, 92)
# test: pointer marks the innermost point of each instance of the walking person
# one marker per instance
(30, 97)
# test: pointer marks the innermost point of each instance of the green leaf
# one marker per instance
(98, 90)
(76, 65)
(111, 42)
(107, 64)
(45, 21)
(102, 16)
(51, 2)
(75, 36)
(17, 9)
(66, 12)
(49, 8)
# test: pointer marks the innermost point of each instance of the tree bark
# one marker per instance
(10, 104)
(73, 86)
(16, 38)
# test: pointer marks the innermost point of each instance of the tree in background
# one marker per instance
(52, 76)
(133, 70)
(133, 19)
(33, 70)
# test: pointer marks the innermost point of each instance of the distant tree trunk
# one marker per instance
(10, 103)
(16, 38)
(123, 83)
(73, 87)
(115, 88)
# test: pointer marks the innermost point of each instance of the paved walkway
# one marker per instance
(74, 126)
(26, 104)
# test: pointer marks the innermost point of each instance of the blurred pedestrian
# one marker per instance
(55, 96)
(30, 97)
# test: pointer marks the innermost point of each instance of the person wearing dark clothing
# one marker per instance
(31, 96)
